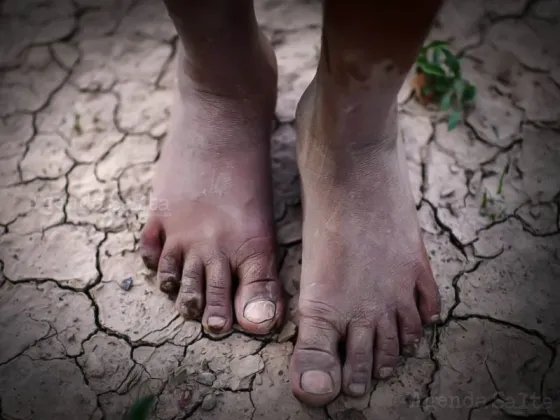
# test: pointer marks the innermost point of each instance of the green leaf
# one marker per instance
(445, 102)
(430, 69)
(453, 120)
(436, 44)
(442, 84)
(469, 93)
(484, 202)
(142, 408)
(459, 86)
(452, 62)
(435, 56)
(502, 178)
(421, 59)
(427, 90)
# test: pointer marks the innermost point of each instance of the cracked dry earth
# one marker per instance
(84, 102)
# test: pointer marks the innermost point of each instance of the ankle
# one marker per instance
(251, 75)
(336, 128)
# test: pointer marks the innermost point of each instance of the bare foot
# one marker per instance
(211, 219)
(366, 278)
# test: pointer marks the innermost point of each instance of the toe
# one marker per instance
(428, 298)
(410, 328)
(315, 366)
(217, 318)
(190, 300)
(150, 243)
(386, 347)
(259, 304)
(169, 268)
(358, 365)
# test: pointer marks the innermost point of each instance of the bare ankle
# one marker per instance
(252, 74)
(332, 136)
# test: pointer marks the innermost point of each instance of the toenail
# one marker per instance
(169, 286)
(357, 389)
(435, 319)
(216, 322)
(259, 311)
(385, 372)
(317, 382)
(190, 312)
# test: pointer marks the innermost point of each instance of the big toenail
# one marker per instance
(216, 322)
(317, 382)
(385, 372)
(435, 319)
(357, 389)
(259, 311)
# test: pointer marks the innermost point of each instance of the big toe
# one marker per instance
(151, 243)
(315, 368)
(429, 302)
(259, 304)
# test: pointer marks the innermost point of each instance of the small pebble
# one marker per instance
(126, 284)
(209, 402)
(206, 378)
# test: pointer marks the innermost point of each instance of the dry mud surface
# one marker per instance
(84, 101)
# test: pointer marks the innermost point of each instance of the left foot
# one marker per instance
(366, 279)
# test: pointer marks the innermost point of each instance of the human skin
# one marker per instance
(366, 281)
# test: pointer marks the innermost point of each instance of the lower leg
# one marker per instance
(212, 217)
(366, 278)
(222, 48)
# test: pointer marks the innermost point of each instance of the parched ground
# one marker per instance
(84, 101)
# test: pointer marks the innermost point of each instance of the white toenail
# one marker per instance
(317, 382)
(357, 389)
(259, 311)
(216, 322)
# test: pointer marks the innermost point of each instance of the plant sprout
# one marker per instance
(439, 79)
(142, 408)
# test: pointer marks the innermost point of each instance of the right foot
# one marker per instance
(211, 216)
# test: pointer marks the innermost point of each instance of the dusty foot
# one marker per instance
(211, 217)
(366, 280)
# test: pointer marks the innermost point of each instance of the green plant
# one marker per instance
(493, 205)
(142, 408)
(77, 124)
(439, 79)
